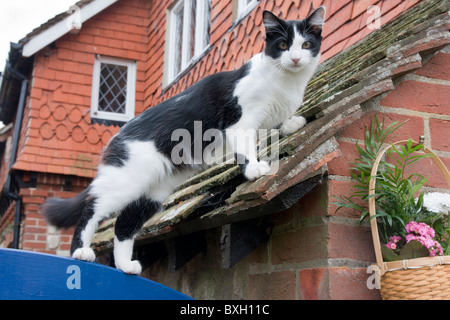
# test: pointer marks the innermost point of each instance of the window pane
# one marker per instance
(179, 18)
(207, 22)
(192, 27)
(113, 88)
(190, 30)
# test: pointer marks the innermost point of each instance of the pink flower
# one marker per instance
(391, 245)
(409, 237)
(428, 242)
(424, 234)
(411, 227)
(436, 247)
(421, 229)
(395, 239)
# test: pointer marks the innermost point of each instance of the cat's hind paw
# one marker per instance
(85, 254)
(292, 125)
(256, 169)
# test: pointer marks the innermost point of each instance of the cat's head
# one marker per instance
(294, 44)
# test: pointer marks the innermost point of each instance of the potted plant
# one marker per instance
(410, 228)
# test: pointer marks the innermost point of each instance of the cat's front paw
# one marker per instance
(254, 170)
(130, 267)
(292, 125)
(85, 254)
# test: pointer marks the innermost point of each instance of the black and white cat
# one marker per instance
(137, 172)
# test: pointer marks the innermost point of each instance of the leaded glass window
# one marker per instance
(113, 89)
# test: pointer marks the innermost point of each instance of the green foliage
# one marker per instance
(374, 139)
(396, 191)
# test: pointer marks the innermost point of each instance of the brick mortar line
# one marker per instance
(341, 178)
(409, 112)
(439, 153)
(349, 179)
(420, 78)
(268, 268)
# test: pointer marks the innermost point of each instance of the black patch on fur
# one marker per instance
(116, 152)
(311, 34)
(278, 30)
(86, 215)
(242, 161)
(210, 101)
(132, 218)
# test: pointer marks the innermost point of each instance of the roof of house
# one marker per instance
(333, 100)
(62, 24)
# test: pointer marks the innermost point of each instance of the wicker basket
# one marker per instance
(422, 278)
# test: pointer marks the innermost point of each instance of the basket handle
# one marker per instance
(372, 210)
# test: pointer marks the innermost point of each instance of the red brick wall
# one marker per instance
(7, 228)
(311, 255)
(36, 234)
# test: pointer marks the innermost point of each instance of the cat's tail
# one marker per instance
(65, 213)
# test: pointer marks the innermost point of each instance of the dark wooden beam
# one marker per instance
(184, 248)
(239, 239)
(150, 253)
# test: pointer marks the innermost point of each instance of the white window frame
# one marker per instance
(131, 90)
(244, 8)
(202, 21)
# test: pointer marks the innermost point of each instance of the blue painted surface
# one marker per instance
(36, 276)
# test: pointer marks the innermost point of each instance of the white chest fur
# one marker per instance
(270, 95)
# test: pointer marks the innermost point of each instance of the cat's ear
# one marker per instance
(317, 19)
(271, 21)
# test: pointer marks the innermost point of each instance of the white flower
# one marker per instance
(437, 202)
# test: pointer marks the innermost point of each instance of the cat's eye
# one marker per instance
(306, 45)
(283, 45)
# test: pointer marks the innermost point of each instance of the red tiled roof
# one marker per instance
(51, 22)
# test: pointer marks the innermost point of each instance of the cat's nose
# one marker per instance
(295, 61)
